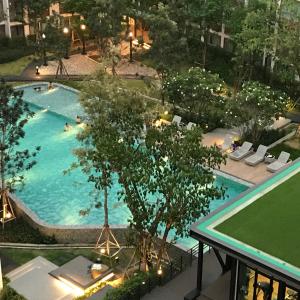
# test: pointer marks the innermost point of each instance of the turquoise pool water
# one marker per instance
(58, 198)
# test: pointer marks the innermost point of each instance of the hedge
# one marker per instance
(19, 231)
(13, 49)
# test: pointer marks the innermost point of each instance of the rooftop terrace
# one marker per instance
(263, 224)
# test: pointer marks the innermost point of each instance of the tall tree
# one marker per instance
(14, 114)
(36, 11)
(169, 185)
(115, 119)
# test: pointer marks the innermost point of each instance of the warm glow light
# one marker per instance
(159, 271)
(83, 27)
(70, 286)
(102, 251)
(8, 215)
(166, 112)
(66, 30)
(130, 34)
(43, 35)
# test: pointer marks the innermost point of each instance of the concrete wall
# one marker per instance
(87, 234)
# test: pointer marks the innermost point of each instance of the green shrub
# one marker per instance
(13, 49)
(133, 288)
(19, 231)
(267, 137)
(8, 293)
(8, 55)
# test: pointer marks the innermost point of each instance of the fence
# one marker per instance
(147, 282)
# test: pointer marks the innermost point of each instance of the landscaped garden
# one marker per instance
(130, 149)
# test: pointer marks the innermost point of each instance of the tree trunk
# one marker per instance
(163, 245)
(106, 208)
(276, 30)
(2, 162)
(204, 53)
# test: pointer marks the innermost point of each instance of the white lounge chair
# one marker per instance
(177, 120)
(258, 157)
(242, 152)
(279, 163)
(190, 125)
(227, 143)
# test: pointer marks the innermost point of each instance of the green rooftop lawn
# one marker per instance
(271, 223)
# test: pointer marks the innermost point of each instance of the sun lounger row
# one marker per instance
(177, 121)
(279, 163)
(259, 156)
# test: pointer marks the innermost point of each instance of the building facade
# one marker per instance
(14, 21)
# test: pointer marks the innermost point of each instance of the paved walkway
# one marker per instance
(76, 65)
(186, 281)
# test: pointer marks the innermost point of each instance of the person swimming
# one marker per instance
(67, 127)
(50, 85)
(78, 120)
(37, 89)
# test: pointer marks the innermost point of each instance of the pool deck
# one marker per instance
(248, 173)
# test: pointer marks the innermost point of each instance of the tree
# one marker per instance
(56, 42)
(36, 13)
(198, 91)
(288, 51)
(253, 44)
(255, 107)
(169, 185)
(115, 120)
(14, 114)
(167, 43)
(105, 21)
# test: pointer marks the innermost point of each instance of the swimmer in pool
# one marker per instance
(67, 127)
(78, 120)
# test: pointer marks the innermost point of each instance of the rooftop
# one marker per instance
(274, 218)
(262, 224)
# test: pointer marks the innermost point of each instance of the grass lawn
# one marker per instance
(271, 223)
(295, 153)
(60, 257)
(15, 67)
(136, 84)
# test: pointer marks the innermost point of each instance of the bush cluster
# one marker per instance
(267, 137)
(19, 231)
(13, 49)
(133, 288)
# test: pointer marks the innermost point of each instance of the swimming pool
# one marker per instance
(56, 198)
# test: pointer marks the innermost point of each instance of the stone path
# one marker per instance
(133, 70)
(76, 65)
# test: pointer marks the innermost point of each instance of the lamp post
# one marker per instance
(130, 47)
(44, 50)
(83, 28)
(37, 71)
(66, 32)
